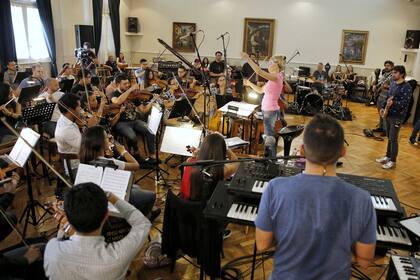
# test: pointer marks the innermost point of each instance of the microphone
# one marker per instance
(189, 34)
(223, 35)
(298, 52)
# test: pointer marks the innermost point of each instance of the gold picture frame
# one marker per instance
(258, 36)
(354, 46)
(180, 29)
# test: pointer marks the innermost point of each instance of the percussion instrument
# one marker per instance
(312, 103)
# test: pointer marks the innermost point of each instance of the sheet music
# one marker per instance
(88, 174)
(244, 109)
(176, 139)
(115, 181)
(154, 120)
(21, 151)
(235, 141)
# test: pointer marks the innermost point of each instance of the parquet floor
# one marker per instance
(359, 160)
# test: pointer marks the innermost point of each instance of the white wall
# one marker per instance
(312, 26)
(67, 14)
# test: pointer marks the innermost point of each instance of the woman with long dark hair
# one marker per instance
(195, 186)
(95, 143)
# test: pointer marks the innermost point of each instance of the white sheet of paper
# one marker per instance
(154, 120)
(176, 139)
(21, 151)
(235, 141)
(244, 109)
(88, 174)
(115, 181)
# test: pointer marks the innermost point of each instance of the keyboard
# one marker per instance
(404, 268)
(392, 234)
(243, 211)
(226, 207)
(382, 192)
(252, 178)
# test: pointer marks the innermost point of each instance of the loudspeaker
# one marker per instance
(84, 33)
(412, 39)
(132, 24)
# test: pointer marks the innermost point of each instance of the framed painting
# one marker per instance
(180, 29)
(258, 36)
(354, 46)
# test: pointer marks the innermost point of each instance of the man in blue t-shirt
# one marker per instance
(316, 219)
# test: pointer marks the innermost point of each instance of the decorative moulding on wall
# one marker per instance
(133, 34)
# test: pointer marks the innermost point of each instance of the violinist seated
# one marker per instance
(21, 262)
(52, 95)
(110, 89)
(96, 145)
(122, 64)
(213, 147)
(79, 87)
(153, 82)
(36, 79)
(86, 255)
(10, 109)
(128, 125)
(182, 79)
(66, 73)
(112, 65)
(67, 132)
(93, 108)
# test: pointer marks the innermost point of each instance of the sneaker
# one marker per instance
(389, 165)
(226, 233)
(384, 159)
(412, 141)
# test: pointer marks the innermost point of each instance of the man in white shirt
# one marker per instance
(67, 133)
(86, 255)
(52, 95)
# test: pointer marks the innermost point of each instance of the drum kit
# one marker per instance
(312, 97)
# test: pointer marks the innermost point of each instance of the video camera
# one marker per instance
(81, 53)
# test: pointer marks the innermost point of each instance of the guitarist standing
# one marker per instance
(380, 91)
(394, 112)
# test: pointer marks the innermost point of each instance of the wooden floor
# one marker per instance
(360, 160)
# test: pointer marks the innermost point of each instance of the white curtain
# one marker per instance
(106, 47)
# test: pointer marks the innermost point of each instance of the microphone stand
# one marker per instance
(290, 59)
(225, 61)
(205, 80)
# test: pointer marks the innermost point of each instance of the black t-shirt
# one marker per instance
(113, 65)
(130, 113)
(80, 89)
(217, 67)
(247, 70)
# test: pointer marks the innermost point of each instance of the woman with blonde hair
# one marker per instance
(272, 91)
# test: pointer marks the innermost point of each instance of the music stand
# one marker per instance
(181, 108)
(27, 94)
(154, 123)
(20, 76)
(20, 155)
(66, 85)
(176, 139)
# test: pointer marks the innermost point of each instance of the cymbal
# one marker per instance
(298, 69)
(303, 87)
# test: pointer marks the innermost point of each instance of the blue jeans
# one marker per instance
(130, 129)
(141, 199)
(270, 118)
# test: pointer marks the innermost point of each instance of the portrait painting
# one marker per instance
(180, 29)
(354, 46)
(258, 37)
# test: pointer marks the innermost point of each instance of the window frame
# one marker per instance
(25, 4)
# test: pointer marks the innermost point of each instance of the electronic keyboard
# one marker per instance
(403, 268)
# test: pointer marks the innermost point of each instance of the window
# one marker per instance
(28, 32)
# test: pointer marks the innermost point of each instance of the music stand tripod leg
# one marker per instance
(254, 257)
